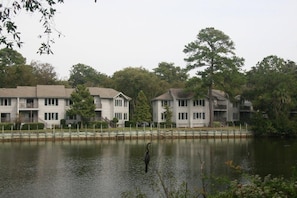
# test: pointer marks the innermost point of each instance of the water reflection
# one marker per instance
(108, 168)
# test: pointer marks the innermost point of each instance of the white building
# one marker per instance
(48, 104)
(191, 112)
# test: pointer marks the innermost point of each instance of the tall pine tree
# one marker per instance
(142, 109)
(82, 104)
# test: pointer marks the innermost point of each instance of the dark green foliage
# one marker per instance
(6, 126)
(168, 115)
(133, 80)
(33, 126)
(272, 87)
(165, 125)
(175, 76)
(142, 109)
(81, 74)
(256, 187)
(63, 123)
(130, 123)
(14, 71)
(98, 125)
(9, 57)
(214, 51)
(82, 104)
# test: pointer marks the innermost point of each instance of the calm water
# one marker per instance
(108, 168)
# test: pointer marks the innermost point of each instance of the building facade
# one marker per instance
(48, 104)
(188, 111)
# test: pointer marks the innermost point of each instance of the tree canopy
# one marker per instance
(15, 72)
(174, 75)
(81, 74)
(213, 51)
(272, 87)
(133, 80)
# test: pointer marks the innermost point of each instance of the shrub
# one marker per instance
(63, 123)
(130, 123)
(32, 126)
(6, 126)
(98, 125)
(260, 187)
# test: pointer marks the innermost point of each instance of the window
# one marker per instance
(68, 102)
(198, 115)
(163, 116)
(118, 116)
(5, 117)
(51, 116)
(182, 116)
(51, 102)
(118, 103)
(125, 103)
(165, 103)
(198, 103)
(5, 102)
(235, 116)
(182, 103)
(125, 116)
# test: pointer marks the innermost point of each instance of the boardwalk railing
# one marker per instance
(119, 134)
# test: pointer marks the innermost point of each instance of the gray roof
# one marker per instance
(106, 92)
(54, 91)
(179, 93)
(50, 91)
(165, 96)
(220, 95)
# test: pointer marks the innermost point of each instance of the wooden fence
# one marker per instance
(61, 134)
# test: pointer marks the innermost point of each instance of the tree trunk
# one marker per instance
(210, 98)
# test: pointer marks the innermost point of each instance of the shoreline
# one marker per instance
(121, 135)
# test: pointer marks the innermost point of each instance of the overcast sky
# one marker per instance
(113, 34)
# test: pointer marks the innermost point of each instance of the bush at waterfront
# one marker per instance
(6, 126)
(260, 187)
(27, 126)
(248, 186)
(33, 126)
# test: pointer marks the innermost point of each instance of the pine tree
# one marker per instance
(142, 109)
(82, 104)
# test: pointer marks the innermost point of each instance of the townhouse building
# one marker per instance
(49, 103)
(188, 111)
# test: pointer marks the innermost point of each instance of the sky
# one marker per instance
(111, 35)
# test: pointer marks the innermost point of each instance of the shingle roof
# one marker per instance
(165, 96)
(50, 91)
(181, 93)
(54, 91)
(103, 92)
(220, 95)
(26, 91)
(8, 92)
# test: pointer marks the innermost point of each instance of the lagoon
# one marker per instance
(109, 168)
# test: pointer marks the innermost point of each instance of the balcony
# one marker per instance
(98, 106)
(245, 108)
(28, 105)
(220, 107)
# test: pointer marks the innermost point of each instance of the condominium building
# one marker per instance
(189, 111)
(49, 103)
